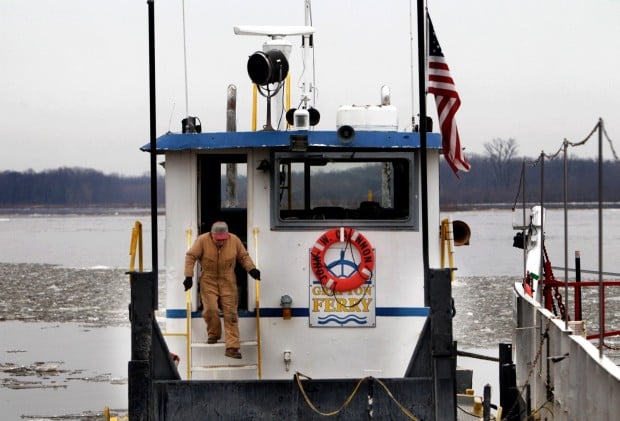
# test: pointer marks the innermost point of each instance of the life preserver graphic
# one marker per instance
(363, 270)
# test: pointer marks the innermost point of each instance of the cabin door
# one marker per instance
(223, 197)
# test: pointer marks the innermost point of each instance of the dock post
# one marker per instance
(508, 393)
(578, 315)
(442, 344)
(486, 403)
(139, 370)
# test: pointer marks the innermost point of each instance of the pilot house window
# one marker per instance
(323, 188)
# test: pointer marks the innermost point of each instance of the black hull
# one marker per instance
(283, 399)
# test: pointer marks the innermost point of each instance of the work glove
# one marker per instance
(188, 282)
(255, 273)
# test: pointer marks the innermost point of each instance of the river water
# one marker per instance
(64, 332)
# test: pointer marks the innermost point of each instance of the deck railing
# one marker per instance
(550, 284)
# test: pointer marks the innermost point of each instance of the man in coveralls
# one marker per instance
(217, 252)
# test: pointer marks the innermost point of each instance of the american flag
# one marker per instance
(441, 84)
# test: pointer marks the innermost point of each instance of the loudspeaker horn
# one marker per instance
(461, 233)
(346, 133)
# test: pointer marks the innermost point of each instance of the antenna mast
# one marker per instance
(307, 41)
(411, 65)
(185, 64)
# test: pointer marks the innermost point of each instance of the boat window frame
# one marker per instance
(411, 222)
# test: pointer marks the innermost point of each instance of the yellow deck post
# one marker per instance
(254, 105)
(136, 243)
(447, 242)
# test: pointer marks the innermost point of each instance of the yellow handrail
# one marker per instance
(136, 242)
(257, 286)
(447, 241)
(287, 105)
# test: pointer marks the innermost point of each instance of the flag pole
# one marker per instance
(421, 10)
(153, 150)
(411, 72)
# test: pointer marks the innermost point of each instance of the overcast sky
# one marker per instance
(74, 73)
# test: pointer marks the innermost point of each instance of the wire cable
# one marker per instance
(346, 403)
(565, 142)
(314, 408)
(611, 144)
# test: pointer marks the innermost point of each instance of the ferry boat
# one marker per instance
(352, 315)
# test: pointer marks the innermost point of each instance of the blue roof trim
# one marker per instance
(271, 139)
(174, 313)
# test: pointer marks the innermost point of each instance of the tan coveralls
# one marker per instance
(218, 280)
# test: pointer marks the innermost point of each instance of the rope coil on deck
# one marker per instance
(346, 403)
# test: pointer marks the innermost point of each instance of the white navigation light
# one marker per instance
(302, 119)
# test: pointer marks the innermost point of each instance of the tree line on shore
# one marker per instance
(492, 181)
(75, 187)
